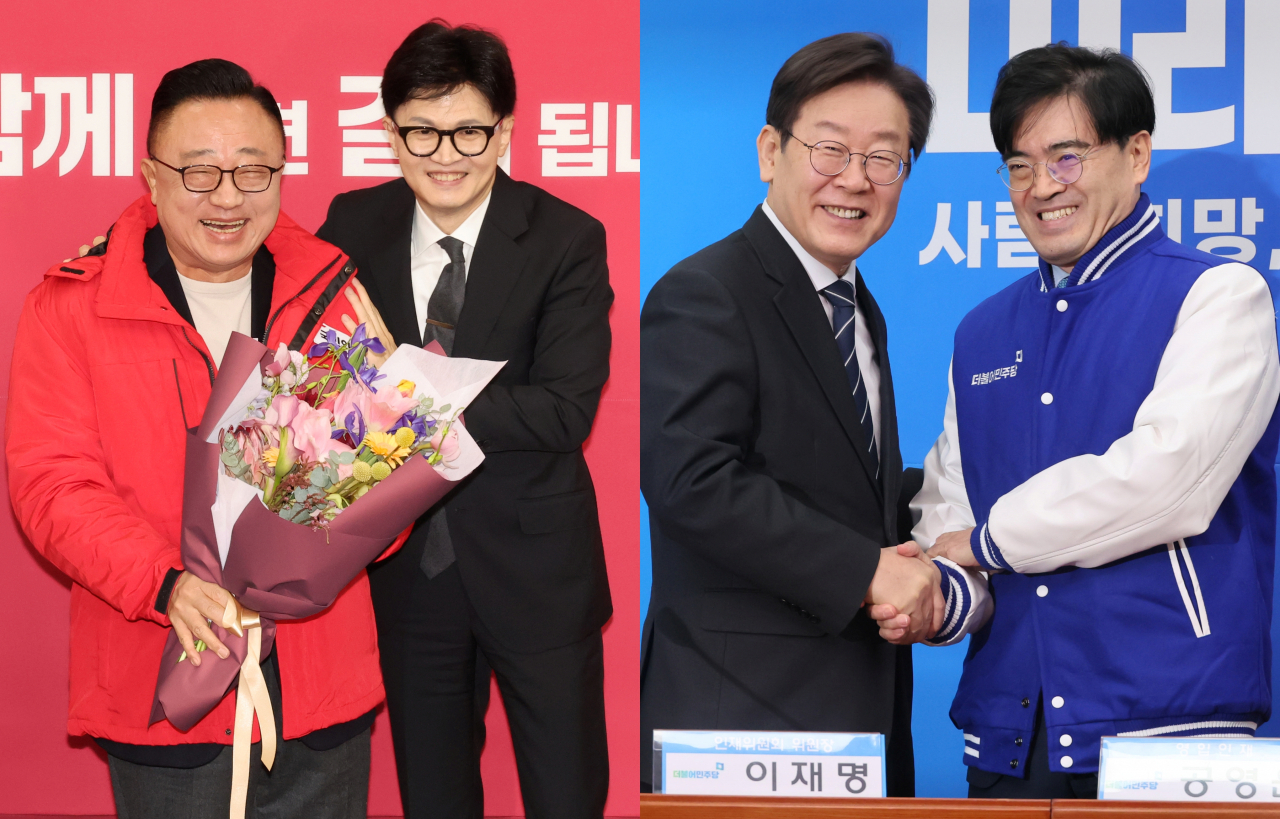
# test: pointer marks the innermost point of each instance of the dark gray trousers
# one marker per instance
(331, 784)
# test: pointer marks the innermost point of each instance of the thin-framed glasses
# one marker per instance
(830, 158)
(1019, 175)
(470, 140)
(206, 178)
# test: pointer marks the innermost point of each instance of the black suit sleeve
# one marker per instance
(699, 385)
(554, 411)
(329, 230)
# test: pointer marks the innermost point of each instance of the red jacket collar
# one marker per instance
(126, 291)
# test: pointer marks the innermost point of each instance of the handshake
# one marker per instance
(905, 597)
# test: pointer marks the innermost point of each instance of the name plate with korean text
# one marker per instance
(1189, 769)
(768, 763)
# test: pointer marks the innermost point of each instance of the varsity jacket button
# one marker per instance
(1047, 398)
(1042, 591)
(1013, 763)
(1067, 762)
(1065, 739)
(1062, 305)
(1018, 742)
(1026, 703)
(1057, 702)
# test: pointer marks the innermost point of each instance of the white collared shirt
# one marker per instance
(822, 276)
(428, 258)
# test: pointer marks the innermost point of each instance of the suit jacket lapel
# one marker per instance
(798, 304)
(390, 267)
(890, 456)
(495, 267)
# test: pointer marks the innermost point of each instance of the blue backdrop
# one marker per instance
(706, 68)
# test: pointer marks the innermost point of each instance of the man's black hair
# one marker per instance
(844, 58)
(1111, 87)
(436, 60)
(206, 80)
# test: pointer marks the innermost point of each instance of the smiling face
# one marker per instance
(213, 236)
(1064, 221)
(836, 218)
(448, 185)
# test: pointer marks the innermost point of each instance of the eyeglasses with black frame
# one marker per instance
(206, 178)
(830, 158)
(469, 140)
(1019, 175)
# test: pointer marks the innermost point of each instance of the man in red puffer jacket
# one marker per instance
(113, 361)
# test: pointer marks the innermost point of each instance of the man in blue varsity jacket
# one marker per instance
(1102, 500)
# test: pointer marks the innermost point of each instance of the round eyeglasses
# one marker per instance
(470, 140)
(206, 178)
(830, 158)
(1019, 175)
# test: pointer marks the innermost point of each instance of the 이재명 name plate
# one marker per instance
(1189, 769)
(768, 763)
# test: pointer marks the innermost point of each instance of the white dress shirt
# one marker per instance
(218, 309)
(428, 258)
(822, 276)
(1214, 393)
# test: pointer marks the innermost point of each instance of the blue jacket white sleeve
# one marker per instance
(942, 506)
(1213, 397)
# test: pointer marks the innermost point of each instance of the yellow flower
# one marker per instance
(405, 437)
(386, 445)
(361, 472)
(406, 387)
(269, 456)
(380, 471)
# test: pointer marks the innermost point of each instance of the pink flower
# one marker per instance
(395, 399)
(448, 447)
(311, 433)
(380, 410)
(281, 411)
(280, 362)
(344, 471)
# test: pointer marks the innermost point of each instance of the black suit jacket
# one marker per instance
(767, 520)
(524, 526)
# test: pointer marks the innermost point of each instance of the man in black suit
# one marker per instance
(769, 444)
(512, 566)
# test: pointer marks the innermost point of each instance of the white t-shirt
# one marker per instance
(219, 309)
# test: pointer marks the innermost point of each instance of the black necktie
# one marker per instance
(445, 304)
(841, 297)
(443, 310)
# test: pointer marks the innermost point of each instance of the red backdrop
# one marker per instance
(76, 80)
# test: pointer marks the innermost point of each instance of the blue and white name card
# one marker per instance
(1189, 769)
(768, 763)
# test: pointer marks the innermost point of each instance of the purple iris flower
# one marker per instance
(330, 344)
(355, 426)
(413, 421)
(359, 339)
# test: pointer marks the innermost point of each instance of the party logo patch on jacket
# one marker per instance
(991, 376)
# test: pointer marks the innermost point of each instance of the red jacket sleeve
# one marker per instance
(61, 491)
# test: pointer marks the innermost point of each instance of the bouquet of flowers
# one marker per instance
(303, 471)
(322, 432)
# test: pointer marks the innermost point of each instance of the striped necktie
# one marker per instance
(841, 297)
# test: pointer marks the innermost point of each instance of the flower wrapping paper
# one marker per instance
(280, 569)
